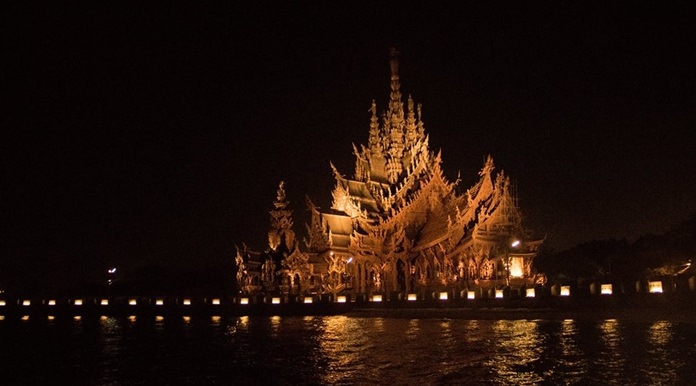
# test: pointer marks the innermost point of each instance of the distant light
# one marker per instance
(187, 302)
(308, 300)
(132, 318)
(103, 318)
(341, 299)
(275, 300)
(530, 293)
(50, 317)
(412, 297)
(244, 301)
(216, 302)
(78, 302)
(25, 318)
(606, 289)
(77, 318)
(26, 303)
(2, 317)
(498, 294)
(159, 302)
(350, 259)
(52, 302)
(112, 270)
(215, 319)
(471, 295)
(132, 302)
(565, 290)
(443, 295)
(159, 318)
(655, 287)
(376, 298)
(104, 302)
(515, 243)
(187, 319)
(2, 303)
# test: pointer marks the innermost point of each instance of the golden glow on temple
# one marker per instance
(397, 226)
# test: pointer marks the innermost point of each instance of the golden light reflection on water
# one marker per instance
(660, 333)
(658, 365)
(611, 357)
(413, 329)
(521, 346)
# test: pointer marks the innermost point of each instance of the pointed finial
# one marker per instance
(394, 62)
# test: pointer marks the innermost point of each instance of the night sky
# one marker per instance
(156, 135)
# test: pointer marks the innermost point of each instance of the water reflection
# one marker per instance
(610, 356)
(660, 365)
(351, 350)
(521, 347)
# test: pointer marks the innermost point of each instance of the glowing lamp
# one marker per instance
(340, 299)
(2, 303)
(655, 287)
(104, 302)
(244, 301)
(52, 302)
(412, 297)
(132, 318)
(215, 319)
(26, 303)
(187, 302)
(159, 302)
(216, 302)
(275, 300)
(499, 294)
(187, 319)
(443, 296)
(77, 302)
(376, 298)
(471, 295)
(606, 289)
(51, 318)
(565, 290)
(307, 300)
(159, 318)
(530, 293)
(2, 317)
(77, 318)
(25, 318)
(132, 302)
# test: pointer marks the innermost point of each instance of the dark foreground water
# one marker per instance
(345, 350)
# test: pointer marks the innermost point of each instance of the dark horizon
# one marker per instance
(157, 136)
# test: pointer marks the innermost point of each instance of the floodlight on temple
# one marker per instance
(655, 287)
(530, 293)
(565, 290)
(606, 289)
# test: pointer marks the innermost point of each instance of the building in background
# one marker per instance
(398, 226)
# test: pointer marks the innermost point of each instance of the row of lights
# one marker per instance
(132, 318)
(605, 289)
(306, 300)
(105, 302)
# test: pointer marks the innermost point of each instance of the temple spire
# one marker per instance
(395, 104)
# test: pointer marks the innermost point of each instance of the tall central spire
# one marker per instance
(395, 98)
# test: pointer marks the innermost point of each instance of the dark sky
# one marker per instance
(157, 134)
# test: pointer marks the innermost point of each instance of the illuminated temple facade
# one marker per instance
(397, 226)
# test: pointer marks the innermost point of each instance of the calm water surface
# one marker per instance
(344, 350)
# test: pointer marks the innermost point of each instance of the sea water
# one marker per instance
(344, 350)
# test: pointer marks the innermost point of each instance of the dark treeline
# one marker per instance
(650, 256)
